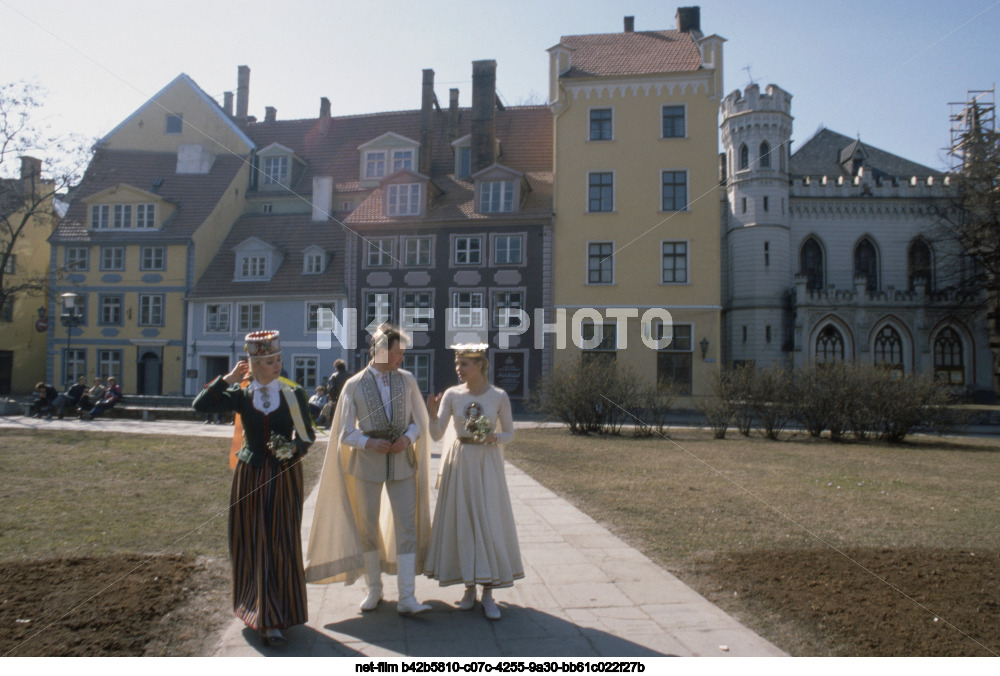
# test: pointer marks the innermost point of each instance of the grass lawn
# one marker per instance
(789, 536)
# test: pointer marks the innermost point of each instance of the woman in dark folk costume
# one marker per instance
(265, 509)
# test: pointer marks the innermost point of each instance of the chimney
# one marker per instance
(689, 19)
(630, 24)
(452, 114)
(426, 122)
(324, 107)
(31, 168)
(227, 103)
(484, 83)
(243, 93)
(270, 114)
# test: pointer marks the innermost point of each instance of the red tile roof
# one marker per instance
(639, 53)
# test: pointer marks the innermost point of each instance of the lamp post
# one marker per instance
(70, 319)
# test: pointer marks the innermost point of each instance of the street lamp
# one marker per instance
(70, 319)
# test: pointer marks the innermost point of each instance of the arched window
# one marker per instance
(811, 264)
(765, 155)
(889, 349)
(829, 346)
(949, 365)
(744, 157)
(866, 263)
(781, 157)
(919, 264)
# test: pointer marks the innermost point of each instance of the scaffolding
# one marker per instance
(976, 113)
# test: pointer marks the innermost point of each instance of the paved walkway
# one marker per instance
(585, 594)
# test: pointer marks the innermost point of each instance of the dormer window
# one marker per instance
(403, 199)
(463, 157)
(276, 170)
(253, 267)
(375, 164)
(314, 261)
(256, 260)
(402, 159)
(496, 196)
(100, 216)
(386, 155)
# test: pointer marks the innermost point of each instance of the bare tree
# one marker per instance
(28, 201)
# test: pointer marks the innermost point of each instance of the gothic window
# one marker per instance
(949, 365)
(889, 349)
(919, 264)
(765, 155)
(829, 346)
(744, 157)
(866, 263)
(811, 264)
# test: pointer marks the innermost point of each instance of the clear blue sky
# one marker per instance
(885, 70)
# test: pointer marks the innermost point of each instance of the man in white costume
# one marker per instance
(379, 443)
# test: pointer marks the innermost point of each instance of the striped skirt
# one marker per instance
(265, 545)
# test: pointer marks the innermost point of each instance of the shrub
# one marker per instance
(770, 399)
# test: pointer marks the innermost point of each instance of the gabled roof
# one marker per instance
(293, 234)
(634, 53)
(828, 154)
(196, 195)
(209, 101)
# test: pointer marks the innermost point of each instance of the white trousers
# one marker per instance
(402, 500)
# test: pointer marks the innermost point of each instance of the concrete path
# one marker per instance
(585, 594)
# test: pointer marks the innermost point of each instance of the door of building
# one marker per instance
(150, 369)
(6, 370)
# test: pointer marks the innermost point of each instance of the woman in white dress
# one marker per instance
(473, 537)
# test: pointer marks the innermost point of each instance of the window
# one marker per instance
(744, 157)
(507, 249)
(375, 164)
(276, 170)
(109, 364)
(153, 258)
(123, 216)
(889, 349)
(829, 346)
(112, 258)
(150, 310)
(919, 264)
(765, 155)
(419, 364)
(305, 370)
(175, 124)
(505, 307)
(949, 364)
(313, 263)
(765, 202)
(673, 122)
(600, 124)
(74, 364)
(415, 302)
(467, 310)
(10, 265)
(379, 307)
(601, 192)
(312, 314)
(7, 312)
(866, 264)
(496, 196)
(811, 264)
(674, 362)
(253, 267)
(379, 253)
(267, 208)
(600, 263)
(417, 251)
(606, 346)
(217, 318)
(675, 263)
(674, 190)
(402, 159)
(767, 334)
(100, 216)
(145, 215)
(463, 162)
(111, 310)
(250, 317)
(468, 250)
(77, 258)
(403, 200)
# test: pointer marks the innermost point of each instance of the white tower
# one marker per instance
(756, 135)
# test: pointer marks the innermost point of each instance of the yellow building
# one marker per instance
(26, 221)
(158, 199)
(637, 236)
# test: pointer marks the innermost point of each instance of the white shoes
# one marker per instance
(490, 607)
(408, 604)
(468, 601)
(373, 578)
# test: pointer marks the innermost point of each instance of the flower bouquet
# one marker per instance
(478, 427)
(282, 448)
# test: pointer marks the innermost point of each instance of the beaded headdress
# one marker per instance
(261, 344)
